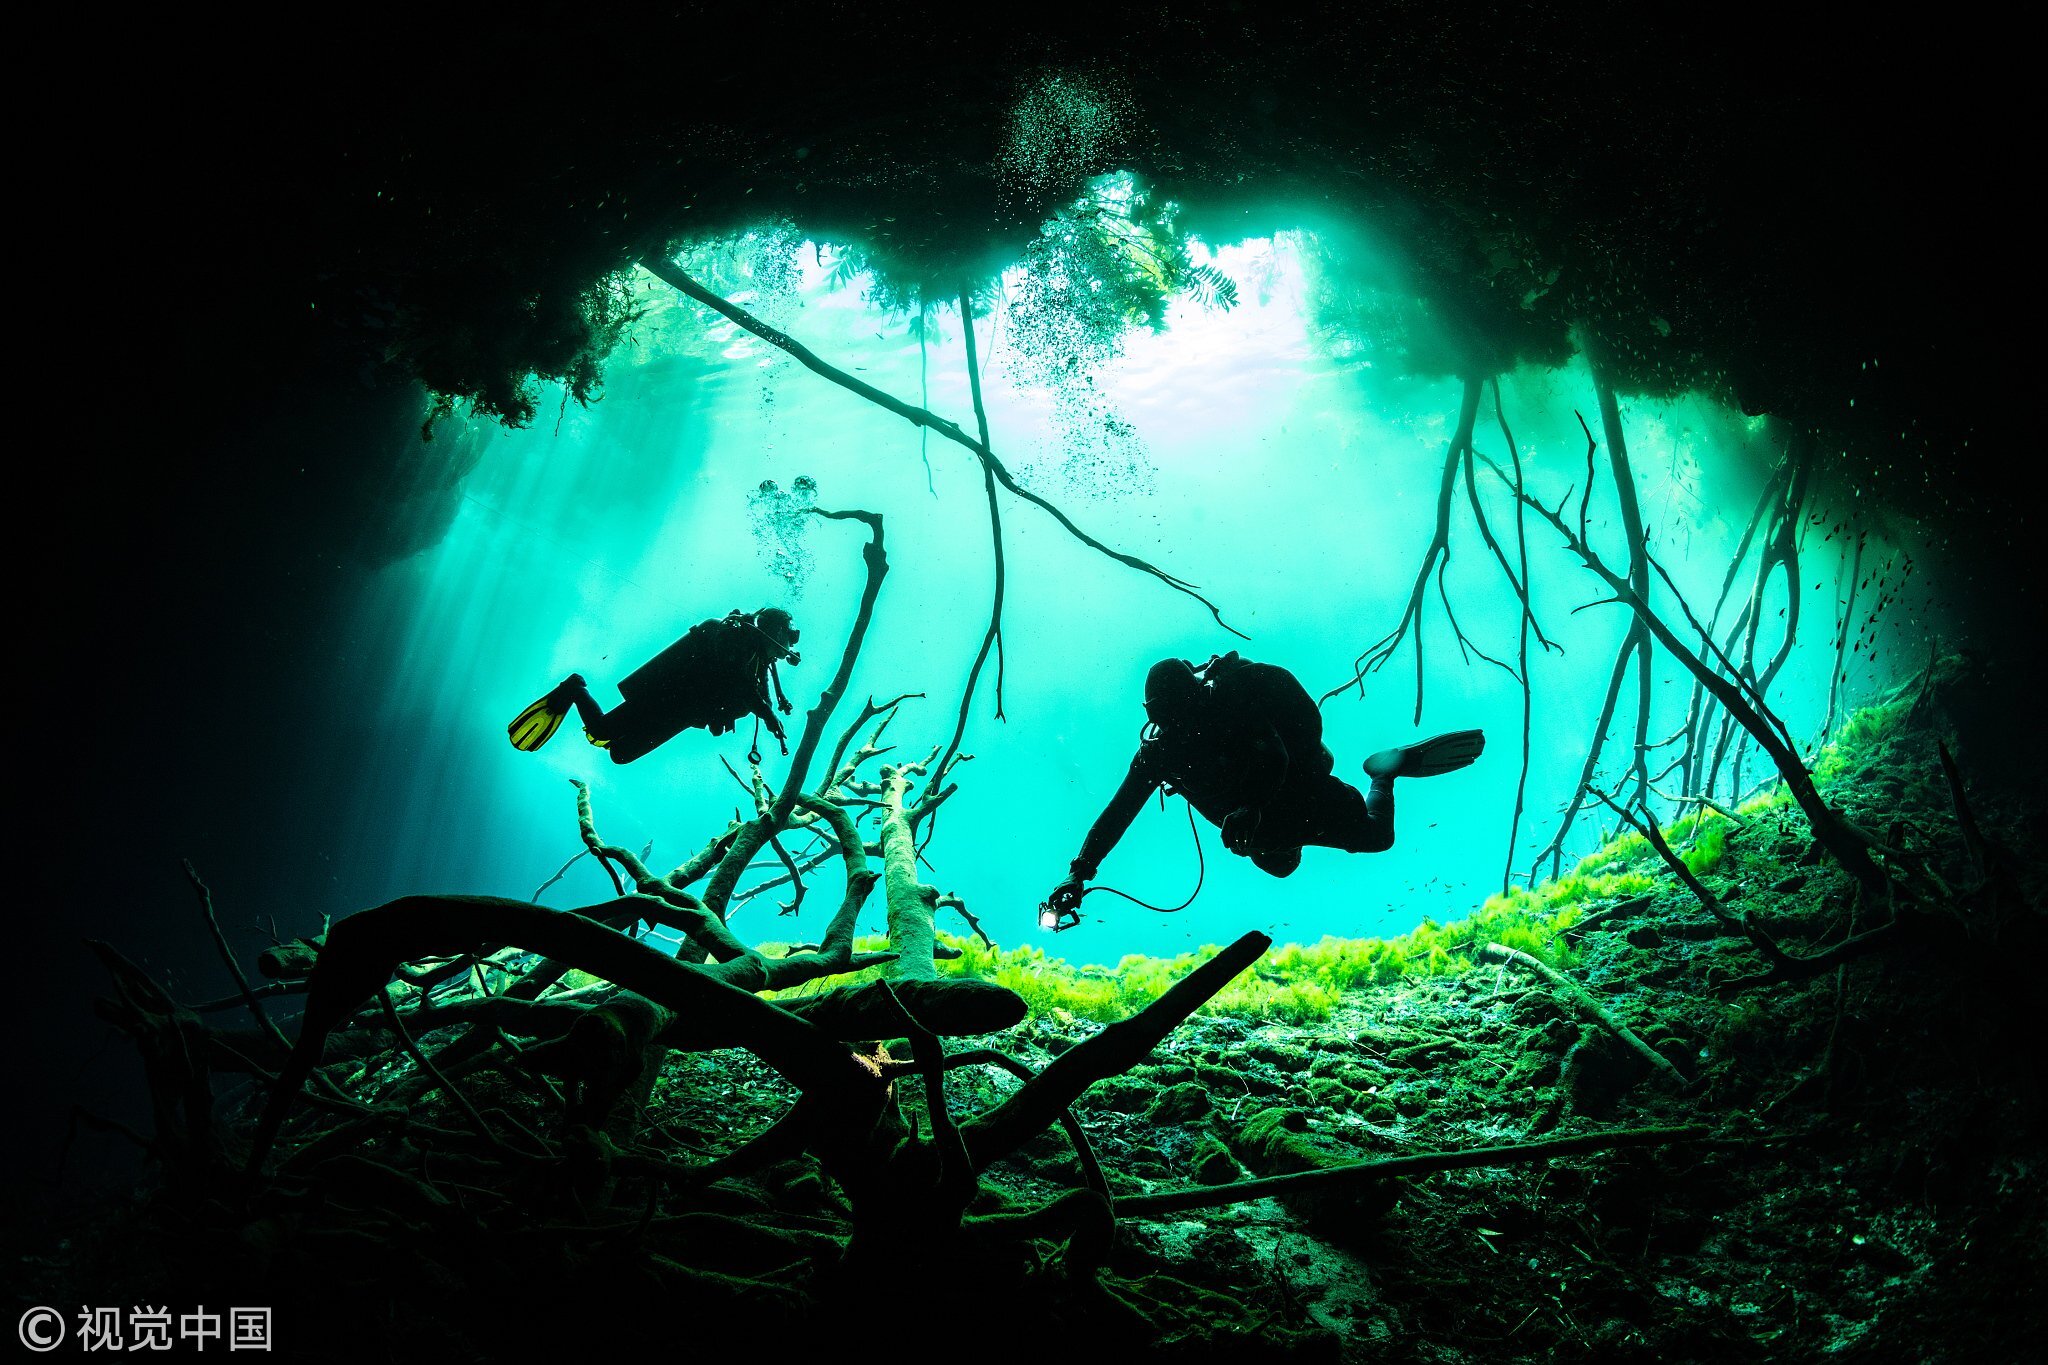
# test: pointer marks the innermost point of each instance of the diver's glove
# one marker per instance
(784, 706)
(1066, 897)
(1061, 909)
(1241, 827)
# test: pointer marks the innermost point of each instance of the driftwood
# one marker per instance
(993, 637)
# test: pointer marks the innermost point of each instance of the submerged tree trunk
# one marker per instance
(911, 902)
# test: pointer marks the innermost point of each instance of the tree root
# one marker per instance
(1387, 1168)
(1116, 1049)
(675, 275)
(1784, 966)
(1850, 847)
(1634, 650)
(1586, 1007)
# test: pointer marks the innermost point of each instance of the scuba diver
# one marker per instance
(1243, 742)
(719, 671)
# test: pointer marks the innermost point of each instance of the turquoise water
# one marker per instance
(1289, 470)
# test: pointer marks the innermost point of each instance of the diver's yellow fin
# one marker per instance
(536, 725)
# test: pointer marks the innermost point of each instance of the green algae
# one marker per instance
(1187, 1102)
(1301, 984)
(1212, 1162)
(1867, 733)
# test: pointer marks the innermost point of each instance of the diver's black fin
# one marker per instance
(1431, 757)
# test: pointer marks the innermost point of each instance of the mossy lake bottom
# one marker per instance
(1862, 1177)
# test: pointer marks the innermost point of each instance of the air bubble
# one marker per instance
(780, 520)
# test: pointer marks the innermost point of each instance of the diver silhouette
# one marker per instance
(719, 671)
(1243, 742)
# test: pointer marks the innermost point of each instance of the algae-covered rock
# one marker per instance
(990, 1200)
(1598, 1071)
(1212, 1162)
(1429, 1055)
(1184, 1103)
(1532, 1070)
(1048, 1154)
(1324, 1093)
(1144, 1159)
(1280, 1056)
(1221, 1028)
(1224, 1078)
(1271, 1143)
(1119, 1094)
(1535, 1010)
(1278, 1142)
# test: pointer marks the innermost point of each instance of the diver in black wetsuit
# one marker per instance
(718, 672)
(1243, 742)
